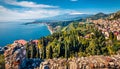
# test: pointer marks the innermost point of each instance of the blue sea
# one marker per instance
(15, 30)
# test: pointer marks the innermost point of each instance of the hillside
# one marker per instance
(80, 39)
(75, 41)
(114, 16)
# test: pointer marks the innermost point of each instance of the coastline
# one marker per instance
(49, 28)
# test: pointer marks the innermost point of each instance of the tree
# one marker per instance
(111, 36)
(67, 49)
(27, 50)
(92, 48)
(49, 52)
(42, 48)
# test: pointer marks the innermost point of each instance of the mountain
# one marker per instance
(98, 16)
(64, 17)
(61, 20)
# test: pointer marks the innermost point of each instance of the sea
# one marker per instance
(11, 31)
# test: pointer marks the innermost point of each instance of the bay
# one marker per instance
(9, 32)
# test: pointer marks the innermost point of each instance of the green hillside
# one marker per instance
(75, 40)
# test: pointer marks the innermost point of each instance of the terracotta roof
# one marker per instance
(23, 42)
(36, 41)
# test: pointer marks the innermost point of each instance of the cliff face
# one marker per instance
(14, 56)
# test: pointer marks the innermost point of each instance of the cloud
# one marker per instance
(7, 14)
(75, 13)
(29, 11)
(28, 4)
(73, 0)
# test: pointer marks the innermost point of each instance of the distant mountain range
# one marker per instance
(72, 17)
(64, 17)
(98, 16)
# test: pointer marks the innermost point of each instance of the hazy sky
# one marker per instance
(17, 10)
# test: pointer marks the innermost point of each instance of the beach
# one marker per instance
(50, 28)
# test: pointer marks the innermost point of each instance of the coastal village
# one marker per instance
(15, 55)
(107, 26)
(59, 34)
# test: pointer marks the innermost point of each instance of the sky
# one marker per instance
(20, 10)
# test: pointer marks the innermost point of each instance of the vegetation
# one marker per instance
(114, 16)
(2, 62)
(32, 50)
(76, 40)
